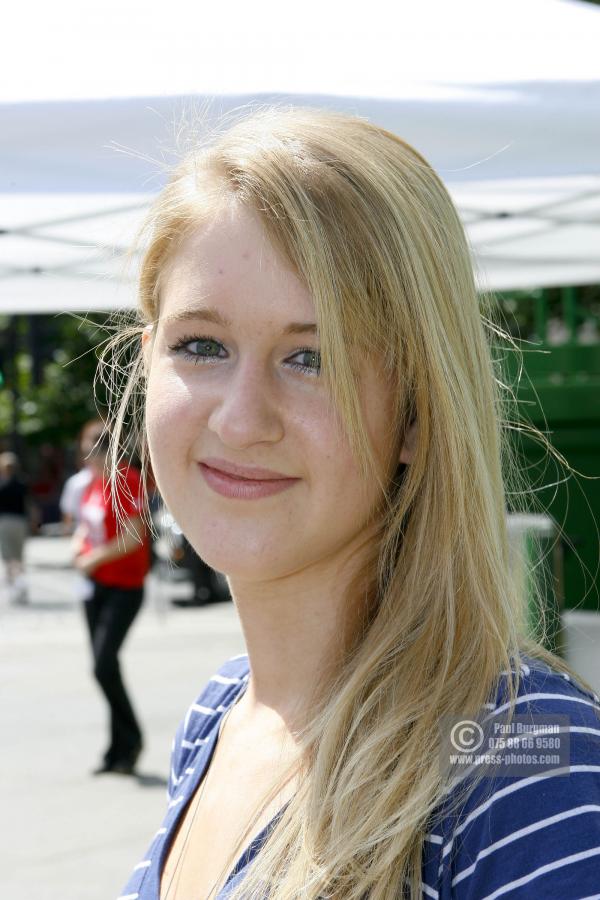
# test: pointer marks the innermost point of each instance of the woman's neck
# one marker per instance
(297, 631)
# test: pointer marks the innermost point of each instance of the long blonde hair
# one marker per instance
(370, 227)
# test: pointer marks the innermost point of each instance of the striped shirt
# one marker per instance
(517, 838)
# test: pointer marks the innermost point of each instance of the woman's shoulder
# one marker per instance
(215, 697)
(531, 825)
(540, 682)
(203, 713)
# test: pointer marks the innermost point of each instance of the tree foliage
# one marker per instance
(49, 364)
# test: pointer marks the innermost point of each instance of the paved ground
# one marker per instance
(67, 835)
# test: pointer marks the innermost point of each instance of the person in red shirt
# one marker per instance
(112, 551)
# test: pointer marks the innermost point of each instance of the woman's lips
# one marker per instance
(243, 488)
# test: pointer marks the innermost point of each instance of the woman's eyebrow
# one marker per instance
(209, 314)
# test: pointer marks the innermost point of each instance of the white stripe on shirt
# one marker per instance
(222, 679)
(543, 696)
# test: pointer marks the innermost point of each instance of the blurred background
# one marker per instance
(97, 101)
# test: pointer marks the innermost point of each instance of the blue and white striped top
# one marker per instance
(517, 838)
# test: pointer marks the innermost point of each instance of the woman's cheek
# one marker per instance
(169, 408)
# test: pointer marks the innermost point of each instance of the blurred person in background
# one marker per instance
(76, 485)
(13, 525)
(111, 549)
(44, 483)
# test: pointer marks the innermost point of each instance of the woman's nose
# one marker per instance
(245, 411)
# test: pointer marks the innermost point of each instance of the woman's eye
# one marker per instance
(198, 348)
(312, 362)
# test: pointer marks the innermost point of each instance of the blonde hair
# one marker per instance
(370, 227)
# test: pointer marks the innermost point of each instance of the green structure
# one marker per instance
(559, 393)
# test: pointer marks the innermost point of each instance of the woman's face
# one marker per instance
(233, 376)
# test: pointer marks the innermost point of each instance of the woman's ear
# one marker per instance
(410, 443)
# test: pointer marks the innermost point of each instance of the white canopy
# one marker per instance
(502, 98)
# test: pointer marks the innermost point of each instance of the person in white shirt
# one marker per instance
(74, 487)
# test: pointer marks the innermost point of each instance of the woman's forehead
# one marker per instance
(231, 259)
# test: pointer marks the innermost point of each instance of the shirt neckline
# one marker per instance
(250, 851)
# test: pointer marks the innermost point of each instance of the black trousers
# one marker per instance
(109, 613)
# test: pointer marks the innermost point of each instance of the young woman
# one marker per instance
(324, 417)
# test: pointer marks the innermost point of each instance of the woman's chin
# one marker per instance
(240, 564)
